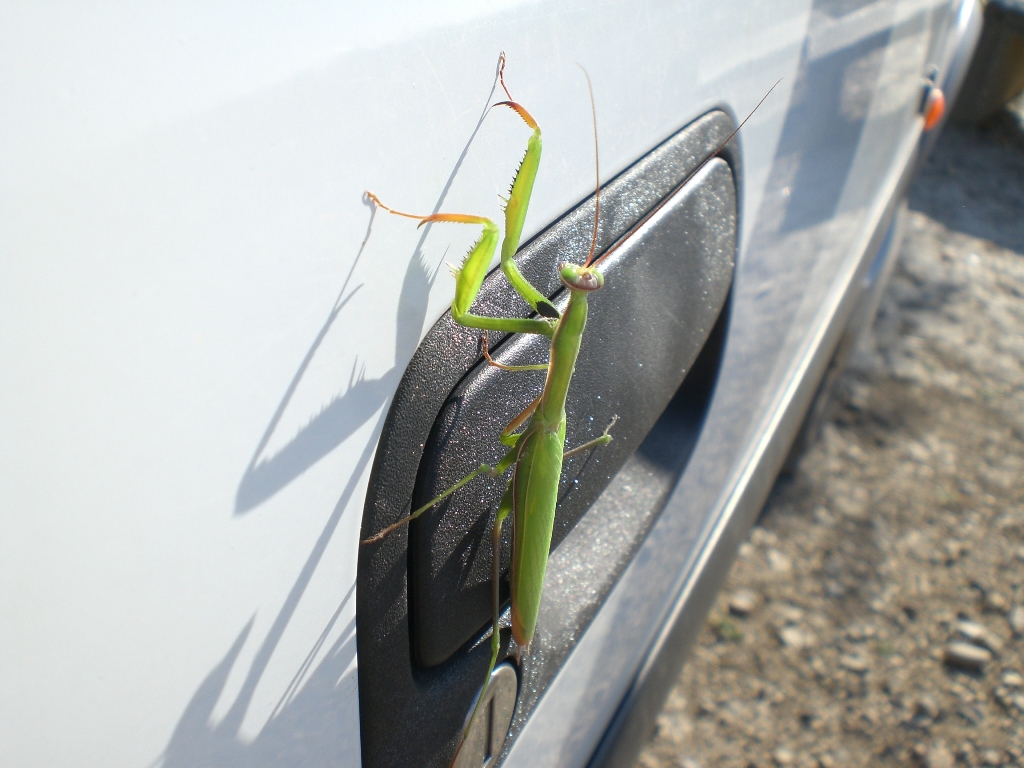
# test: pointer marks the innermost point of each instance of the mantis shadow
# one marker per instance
(346, 413)
(315, 721)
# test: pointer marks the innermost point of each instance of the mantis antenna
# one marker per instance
(689, 176)
(597, 169)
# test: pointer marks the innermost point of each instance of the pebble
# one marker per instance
(853, 505)
(782, 756)
(991, 757)
(861, 631)
(939, 757)
(794, 637)
(742, 603)
(980, 634)
(834, 589)
(972, 714)
(918, 452)
(778, 562)
(854, 663)
(955, 549)
(926, 705)
(1016, 620)
(760, 536)
(967, 655)
(823, 516)
(1013, 679)
(996, 602)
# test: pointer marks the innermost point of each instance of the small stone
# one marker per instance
(689, 762)
(778, 562)
(861, 631)
(823, 516)
(918, 452)
(855, 505)
(760, 536)
(706, 706)
(1016, 619)
(742, 603)
(854, 663)
(967, 655)
(1002, 696)
(1013, 679)
(973, 715)
(827, 761)
(782, 756)
(794, 637)
(954, 550)
(996, 602)
(791, 613)
(939, 757)
(927, 706)
(991, 757)
(834, 589)
(980, 634)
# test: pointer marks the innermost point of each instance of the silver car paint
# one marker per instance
(196, 366)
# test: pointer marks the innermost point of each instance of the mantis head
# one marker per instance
(580, 278)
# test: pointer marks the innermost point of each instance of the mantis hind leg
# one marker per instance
(504, 509)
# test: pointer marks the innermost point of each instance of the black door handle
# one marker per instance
(423, 593)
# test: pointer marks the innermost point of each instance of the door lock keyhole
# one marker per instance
(487, 736)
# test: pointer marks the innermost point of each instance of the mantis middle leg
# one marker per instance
(484, 469)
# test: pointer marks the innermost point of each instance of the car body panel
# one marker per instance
(202, 322)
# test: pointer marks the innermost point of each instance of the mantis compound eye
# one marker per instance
(579, 278)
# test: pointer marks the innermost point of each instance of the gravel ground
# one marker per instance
(876, 614)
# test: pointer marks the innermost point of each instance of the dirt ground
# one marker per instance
(876, 614)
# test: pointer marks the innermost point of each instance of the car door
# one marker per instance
(208, 330)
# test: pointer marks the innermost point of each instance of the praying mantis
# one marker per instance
(535, 439)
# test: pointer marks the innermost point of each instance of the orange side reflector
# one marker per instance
(934, 108)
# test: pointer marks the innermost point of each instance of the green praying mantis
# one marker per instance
(535, 451)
